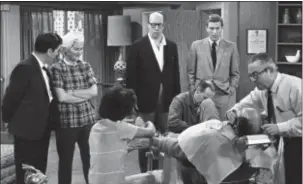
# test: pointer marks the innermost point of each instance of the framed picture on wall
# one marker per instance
(257, 41)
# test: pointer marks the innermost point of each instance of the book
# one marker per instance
(258, 139)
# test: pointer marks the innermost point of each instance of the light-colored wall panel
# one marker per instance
(254, 15)
(10, 41)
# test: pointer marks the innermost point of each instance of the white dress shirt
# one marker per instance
(287, 99)
(159, 52)
(45, 77)
(211, 43)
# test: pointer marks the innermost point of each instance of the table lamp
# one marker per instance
(119, 34)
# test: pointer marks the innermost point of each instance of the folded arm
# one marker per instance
(67, 97)
(175, 122)
(208, 110)
(85, 93)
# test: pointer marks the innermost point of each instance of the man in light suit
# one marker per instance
(279, 95)
(153, 73)
(215, 59)
(27, 105)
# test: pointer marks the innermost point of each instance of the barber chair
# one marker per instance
(246, 174)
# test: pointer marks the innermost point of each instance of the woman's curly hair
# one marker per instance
(117, 103)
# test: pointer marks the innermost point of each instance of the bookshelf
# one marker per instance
(289, 37)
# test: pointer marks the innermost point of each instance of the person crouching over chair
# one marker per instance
(218, 150)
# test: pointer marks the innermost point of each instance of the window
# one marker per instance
(65, 21)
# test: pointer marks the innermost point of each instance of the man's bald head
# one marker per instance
(156, 17)
(155, 25)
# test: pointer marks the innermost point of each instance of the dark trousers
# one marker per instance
(160, 122)
(159, 118)
(31, 152)
(65, 140)
(190, 175)
(293, 160)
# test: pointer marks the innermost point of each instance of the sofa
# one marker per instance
(8, 175)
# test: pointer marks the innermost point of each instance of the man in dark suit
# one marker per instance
(153, 73)
(26, 105)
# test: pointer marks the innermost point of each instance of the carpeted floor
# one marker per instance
(77, 178)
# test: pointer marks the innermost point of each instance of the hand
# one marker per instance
(144, 142)
(271, 129)
(140, 122)
(232, 90)
(151, 126)
(241, 143)
(231, 115)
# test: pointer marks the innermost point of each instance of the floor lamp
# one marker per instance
(119, 34)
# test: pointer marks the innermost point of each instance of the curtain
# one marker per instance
(101, 57)
(33, 20)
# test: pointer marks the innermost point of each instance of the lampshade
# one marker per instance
(118, 30)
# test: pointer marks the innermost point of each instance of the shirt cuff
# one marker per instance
(283, 127)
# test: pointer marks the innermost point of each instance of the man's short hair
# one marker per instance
(264, 58)
(117, 103)
(45, 41)
(203, 84)
(215, 18)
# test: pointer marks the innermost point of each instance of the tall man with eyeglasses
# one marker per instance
(279, 96)
(153, 73)
(215, 59)
(27, 105)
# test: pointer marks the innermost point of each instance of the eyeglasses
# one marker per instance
(255, 75)
(154, 25)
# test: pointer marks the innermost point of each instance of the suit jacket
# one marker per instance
(26, 103)
(287, 100)
(144, 76)
(200, 64)
(183, 113)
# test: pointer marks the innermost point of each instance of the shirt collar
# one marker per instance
(274, 87)
(69, 63)
(162, 42)
(41, 64)
(211, 42)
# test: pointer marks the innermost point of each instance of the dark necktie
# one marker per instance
(270, 109)
(214, 54)
(271, 114)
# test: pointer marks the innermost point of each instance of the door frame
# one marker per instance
(1, 64)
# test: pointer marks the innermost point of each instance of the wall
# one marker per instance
(254, 15)
(10, 44)
(10, 40)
